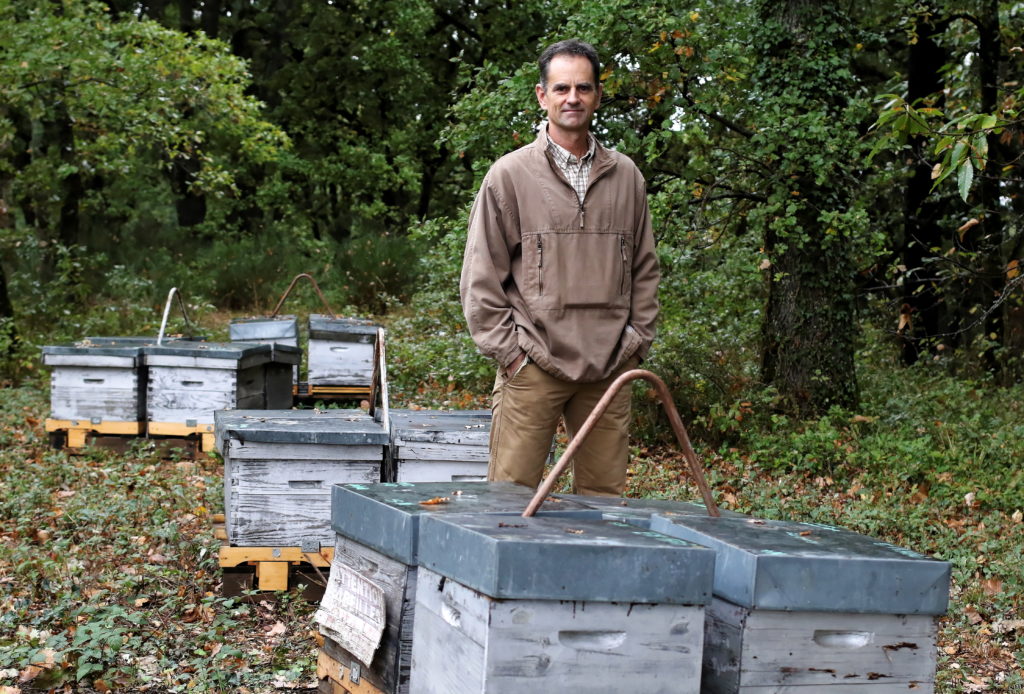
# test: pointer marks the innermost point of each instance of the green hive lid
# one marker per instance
(341, 427)
(386, 516)
(554, 557)
(810, 567)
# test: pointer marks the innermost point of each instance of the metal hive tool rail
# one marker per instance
(673, 417)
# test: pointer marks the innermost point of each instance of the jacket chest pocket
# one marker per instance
(587, 269)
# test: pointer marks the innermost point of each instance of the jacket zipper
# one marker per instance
(540, 265)
(582, 212)
(622, 275)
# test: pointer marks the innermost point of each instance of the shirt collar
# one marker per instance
(563, 156)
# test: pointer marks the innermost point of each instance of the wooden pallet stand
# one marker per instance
(192, 434)
(335, 678)
(75, 433)
(271, 567)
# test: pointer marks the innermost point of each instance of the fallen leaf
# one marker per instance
(276, 630)
(992, 586)
(967, 225)
(1017, 516)
(574, 531)
(805, 533)
(29, 673)
(972, 614)
(10, 690)
(436, 500)
(511, 525)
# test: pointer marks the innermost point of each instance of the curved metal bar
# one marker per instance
(673, 417)
(167, 310)
(292, 285)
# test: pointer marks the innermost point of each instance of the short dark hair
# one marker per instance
(568, 47)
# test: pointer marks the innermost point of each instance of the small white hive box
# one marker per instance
(376, 553)
(280, 465)
(439, 445)
(805, 607)
(189, 381)
(273, 330)
(340, 353)
(553, 604)
(99, 383)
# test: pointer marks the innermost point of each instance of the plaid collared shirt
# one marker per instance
(576, 170)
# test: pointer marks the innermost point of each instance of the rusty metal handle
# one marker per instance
(673, 417)
(292, 285)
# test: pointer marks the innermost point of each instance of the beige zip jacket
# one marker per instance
(573, 286)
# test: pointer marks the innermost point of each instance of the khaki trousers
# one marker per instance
(526, 409)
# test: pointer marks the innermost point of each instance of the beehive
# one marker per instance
(340, 352)
(280, 465)
(556, 604)
(805, 607)
(276, 330)
(377, 537)
(439, 446)
(188, 381)
(98, 381)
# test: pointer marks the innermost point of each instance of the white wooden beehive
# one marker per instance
(276, 330)
(377, 535)
(280, 465)
(806, 607)
(439, 446)
(340, 351)
(556, 604)
(97, 382)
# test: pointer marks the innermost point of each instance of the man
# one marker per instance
(559, 283)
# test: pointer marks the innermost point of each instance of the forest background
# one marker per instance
(835, 188)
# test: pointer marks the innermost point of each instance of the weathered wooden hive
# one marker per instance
(189, 381)
(556, 604)
(377, 538)
(340, 353)
(803, 607)
(99, 382)
(280, 465)
(276, 330)
(438, 445)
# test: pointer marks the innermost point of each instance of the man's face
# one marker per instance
(571, 96)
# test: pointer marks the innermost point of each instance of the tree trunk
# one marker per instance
(922, 301)
(809, 325)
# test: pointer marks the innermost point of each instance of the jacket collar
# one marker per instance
(603, 160)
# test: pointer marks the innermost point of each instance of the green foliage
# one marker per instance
(114, 578)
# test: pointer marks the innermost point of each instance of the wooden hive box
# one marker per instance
(276, 330)
(340, 352)
(556, 604)
(804, 607)
(280, 465)
(377, 530)
(439, 446)
(97, 381)
(189, 381)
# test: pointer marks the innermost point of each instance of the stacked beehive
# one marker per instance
(189, 382)
(279, 467)
(96, 385)
(561, 599)
(273, 330)
(376, 555)
(439, 446)
(340, 355)
(814, 608)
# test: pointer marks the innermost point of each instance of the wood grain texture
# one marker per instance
(467, 643)
(286, 503)
(335, 363)
(391, 664)
(440, 471)
(760, 650)
(96, 393)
